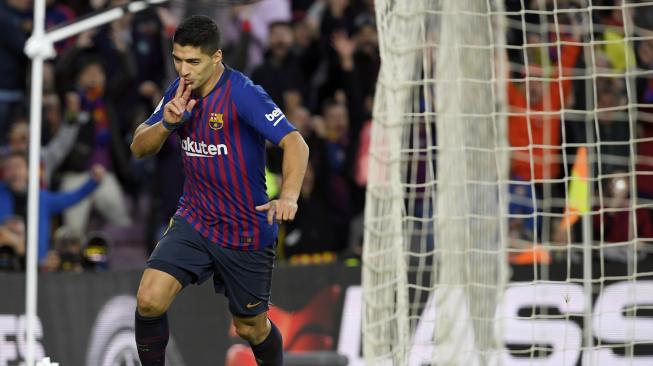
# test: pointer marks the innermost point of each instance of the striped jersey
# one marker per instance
(223, 152)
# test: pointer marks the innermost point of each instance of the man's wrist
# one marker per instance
(173, 126)
(287, 197)
(170, 126)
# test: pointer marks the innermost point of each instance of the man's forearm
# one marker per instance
(295, 159)
(149, 139)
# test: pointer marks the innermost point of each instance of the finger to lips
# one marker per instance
(186, 94)
(180, 88)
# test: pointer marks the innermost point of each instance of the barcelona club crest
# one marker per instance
(215, 121)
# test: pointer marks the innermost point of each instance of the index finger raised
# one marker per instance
(186, 93)
(180, 88)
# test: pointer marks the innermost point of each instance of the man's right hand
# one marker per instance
(173, 111)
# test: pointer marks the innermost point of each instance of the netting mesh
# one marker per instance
(407, 259)
(508, 208)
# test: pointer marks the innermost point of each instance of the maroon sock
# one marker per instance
(152, 335)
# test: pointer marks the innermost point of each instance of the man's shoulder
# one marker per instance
(172, 86)
(239, 79)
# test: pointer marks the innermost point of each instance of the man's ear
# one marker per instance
(217, 57)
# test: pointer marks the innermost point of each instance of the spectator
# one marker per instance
(109, 47)
(13, 196)
(68, 247)
(645, 83)
(64, 134)
(12, 244)
(613, 222)
(148, 43)
(15, 26)
(98, 142)
(336, 122)
(56, 14)
(255, 19)
(313, 230)
(613, 126)
(281, 71)
(526, 130)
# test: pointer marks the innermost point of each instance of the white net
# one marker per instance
(508, 213)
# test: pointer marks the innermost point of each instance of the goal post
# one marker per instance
(438, 168)
(509, 206)
(39, 47)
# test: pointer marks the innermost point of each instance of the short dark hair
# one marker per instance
(13, 154)
(198, 31)
(280, 23)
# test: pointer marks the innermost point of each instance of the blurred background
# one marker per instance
(579, 74)
(317, 59)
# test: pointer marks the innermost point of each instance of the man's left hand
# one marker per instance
(282, 209)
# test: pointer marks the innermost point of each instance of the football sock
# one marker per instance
(152, 335)
(270, 351)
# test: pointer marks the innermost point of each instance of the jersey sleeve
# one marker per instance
(157, 115)
(256, 108)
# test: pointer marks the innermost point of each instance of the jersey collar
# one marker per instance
(223, 79)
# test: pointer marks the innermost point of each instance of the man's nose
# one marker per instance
(184, 69)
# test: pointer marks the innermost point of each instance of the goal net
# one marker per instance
(508, 212)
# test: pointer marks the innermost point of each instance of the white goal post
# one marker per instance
(508, 210)
(39, 47)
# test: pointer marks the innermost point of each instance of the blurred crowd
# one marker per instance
(580, 78)
(318, 60)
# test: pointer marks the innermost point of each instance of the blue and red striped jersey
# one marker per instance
(223, 151)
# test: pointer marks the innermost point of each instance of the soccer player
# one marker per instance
(225, 226)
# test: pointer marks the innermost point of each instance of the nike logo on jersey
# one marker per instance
(201, 149)
(275, 116)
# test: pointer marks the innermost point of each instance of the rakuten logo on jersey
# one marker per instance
(202, 149)
(275, 116)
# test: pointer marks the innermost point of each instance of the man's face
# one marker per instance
(194, 66)
(336, 121)
(22, 5)
(368, 40)
(92, 77)
(280, 39)
(15, 173)
(18, 136)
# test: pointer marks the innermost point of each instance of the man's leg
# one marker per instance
(264, 338)
(155, 294)
(76, 217)
(111, 203)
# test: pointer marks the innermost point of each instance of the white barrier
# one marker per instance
(46, 362)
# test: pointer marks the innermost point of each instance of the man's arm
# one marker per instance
(295, 159)
(148, 139)
(59, 201)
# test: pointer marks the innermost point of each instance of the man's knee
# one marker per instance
(253, 329)
(149, 303)
(156, 292)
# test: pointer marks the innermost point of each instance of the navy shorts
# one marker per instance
(245, 277)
